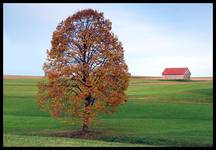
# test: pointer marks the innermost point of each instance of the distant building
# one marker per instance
(176, 73)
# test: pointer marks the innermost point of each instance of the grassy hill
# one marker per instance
(158, 113)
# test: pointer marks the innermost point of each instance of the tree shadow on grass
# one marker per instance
(111, 136)
(106, 136)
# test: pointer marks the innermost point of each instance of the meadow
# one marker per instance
(158, 113)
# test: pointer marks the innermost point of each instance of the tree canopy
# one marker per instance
(85, 68)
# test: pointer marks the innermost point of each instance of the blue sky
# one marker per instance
(154, 36)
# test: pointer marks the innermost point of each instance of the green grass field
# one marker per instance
(158, 113)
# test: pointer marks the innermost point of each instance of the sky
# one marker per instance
(154, 36)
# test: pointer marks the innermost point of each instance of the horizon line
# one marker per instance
(131, 75)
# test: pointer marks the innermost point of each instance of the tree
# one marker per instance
(85, 68)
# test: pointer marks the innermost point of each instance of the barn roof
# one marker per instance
(174, 71)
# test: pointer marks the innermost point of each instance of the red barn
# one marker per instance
(176, 73)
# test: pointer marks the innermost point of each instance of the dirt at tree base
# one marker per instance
(78, 134)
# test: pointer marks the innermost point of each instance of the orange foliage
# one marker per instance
(85, 68)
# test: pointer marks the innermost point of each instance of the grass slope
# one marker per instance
(30, 141)
(161, 113)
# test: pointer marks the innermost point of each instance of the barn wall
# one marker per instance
(187, 75)
(174, 77)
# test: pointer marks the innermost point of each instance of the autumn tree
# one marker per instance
(85, 68)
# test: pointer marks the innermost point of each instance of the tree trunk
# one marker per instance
(85, 120)
(86, 115)
(89, 101)
(85, 127)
